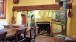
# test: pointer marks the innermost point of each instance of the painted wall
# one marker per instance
(73, 20)
(19, 18)
(9, 6)
(68, 24)
(71, 27)
(35, 2)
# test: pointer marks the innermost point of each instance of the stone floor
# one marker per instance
(42, 38)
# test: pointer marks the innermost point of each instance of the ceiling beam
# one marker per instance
(39, 7)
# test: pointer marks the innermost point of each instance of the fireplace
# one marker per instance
(43, 26)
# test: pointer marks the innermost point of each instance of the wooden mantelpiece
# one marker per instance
(36, 7)
(39, 7)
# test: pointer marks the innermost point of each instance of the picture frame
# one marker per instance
(2, 9)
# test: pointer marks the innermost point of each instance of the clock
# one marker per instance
(15, 1)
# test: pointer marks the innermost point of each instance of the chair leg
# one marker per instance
(30, 35)
(16, 39)
(25, 36)
(4, 40)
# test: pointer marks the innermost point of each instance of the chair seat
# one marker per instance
(10, 38)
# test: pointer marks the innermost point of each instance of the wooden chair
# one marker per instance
(32, 35)
(2, 35)
(20, 37)
(22, 31)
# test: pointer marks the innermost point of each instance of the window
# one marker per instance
(2, 9)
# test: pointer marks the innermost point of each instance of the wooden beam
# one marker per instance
(57, 0)
(39, 7)
(36, 7)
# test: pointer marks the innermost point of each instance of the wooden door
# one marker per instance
(23, 19)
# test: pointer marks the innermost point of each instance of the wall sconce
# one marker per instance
(70, 12)
(15, 1)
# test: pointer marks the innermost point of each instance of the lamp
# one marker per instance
(15, 1)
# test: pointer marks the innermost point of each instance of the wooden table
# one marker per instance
(16, 32)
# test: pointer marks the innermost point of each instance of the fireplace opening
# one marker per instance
(44, 27)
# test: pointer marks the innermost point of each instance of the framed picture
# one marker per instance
(2, 9)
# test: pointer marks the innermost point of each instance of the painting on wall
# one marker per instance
(2, 9)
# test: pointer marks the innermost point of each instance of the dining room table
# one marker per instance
(15, 31)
